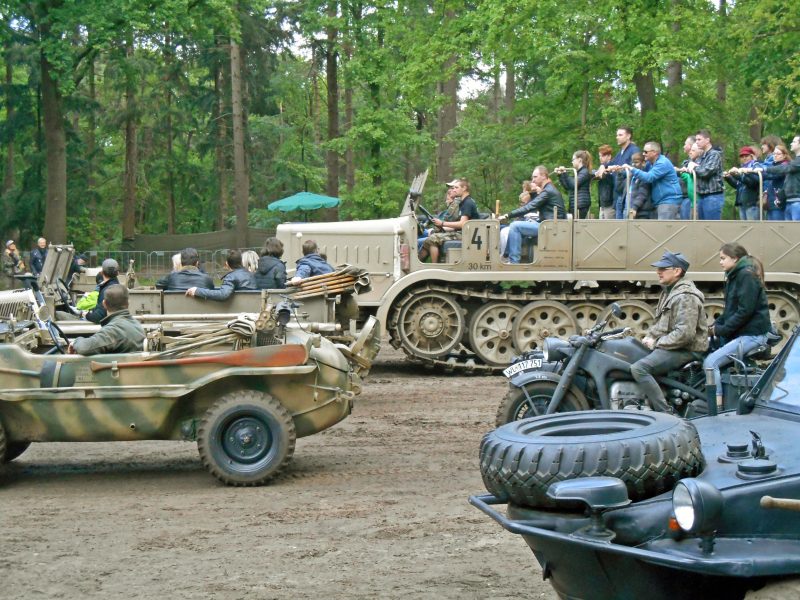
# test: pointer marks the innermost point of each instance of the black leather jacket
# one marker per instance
(271, 273)
(184, 279)
(98, 313)
(238, 279)
(548, 202)
(584, 191)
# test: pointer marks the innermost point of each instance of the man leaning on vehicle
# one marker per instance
(679, 329)
(120, 332)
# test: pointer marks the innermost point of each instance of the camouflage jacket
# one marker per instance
(120, 333)
(680, 322)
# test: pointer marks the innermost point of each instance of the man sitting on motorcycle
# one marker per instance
(679, 330)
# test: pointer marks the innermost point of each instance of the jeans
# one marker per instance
(709, 208)
(775, 214)
(515, 232)
(619, 207)
(668, 212)
(792, 212)
(658, 362)
(738, 347)
(608, 212)
(748, 214)
(686, 209)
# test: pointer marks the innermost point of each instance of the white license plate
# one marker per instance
(523, 365)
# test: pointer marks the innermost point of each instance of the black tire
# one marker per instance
(14, 449)
(517, 406)
(246, 438)
(647, 450)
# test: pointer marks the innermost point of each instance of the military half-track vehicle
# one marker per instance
(244, 408)
(637, 504)
(472, 311)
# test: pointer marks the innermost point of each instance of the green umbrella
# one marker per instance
(303, 201)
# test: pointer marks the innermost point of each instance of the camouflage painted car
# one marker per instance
(244, 408)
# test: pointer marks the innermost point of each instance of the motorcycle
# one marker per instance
(592, 371)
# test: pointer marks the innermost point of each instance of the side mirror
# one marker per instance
(616, 310)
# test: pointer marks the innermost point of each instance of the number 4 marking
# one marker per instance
(476, 238)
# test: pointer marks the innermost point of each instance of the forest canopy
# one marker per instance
(179, 116)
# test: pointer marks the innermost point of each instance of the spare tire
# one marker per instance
(649, 451)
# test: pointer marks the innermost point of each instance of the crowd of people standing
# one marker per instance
(645, 184)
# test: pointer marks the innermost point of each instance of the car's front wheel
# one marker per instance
(246, 438)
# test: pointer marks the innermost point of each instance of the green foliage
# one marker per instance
(576, 68)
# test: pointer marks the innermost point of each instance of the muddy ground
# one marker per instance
(374, 507)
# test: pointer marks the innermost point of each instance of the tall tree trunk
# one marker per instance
(55, 216)
(510, 99)
(646, 90)
(332, 81)
(349, 155)
(131, 152)
(8, 175)
(91, 139)
(220, 156)
(447, 122)
(168, 57)
(722, 82)
(240, 176)
(756, 128)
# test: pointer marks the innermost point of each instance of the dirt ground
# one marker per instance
(375, 507)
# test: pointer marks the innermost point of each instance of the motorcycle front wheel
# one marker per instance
(531, 400)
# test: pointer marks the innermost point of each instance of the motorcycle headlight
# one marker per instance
(552, 349)
(697, 505)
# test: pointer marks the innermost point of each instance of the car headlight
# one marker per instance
(697, 505)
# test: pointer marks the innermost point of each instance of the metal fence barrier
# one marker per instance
(154, 264)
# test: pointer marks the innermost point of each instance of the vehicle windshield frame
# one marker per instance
(764, 389)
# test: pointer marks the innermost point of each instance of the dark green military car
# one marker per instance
(244, 408)
(637, 504)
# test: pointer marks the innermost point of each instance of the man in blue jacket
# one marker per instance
(311, 264)
(666, 192)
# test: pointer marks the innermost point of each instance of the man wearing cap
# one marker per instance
(450, 230)
(120, 332)
(188, 276)
(108, 271)
(679, 329)
(746, 185)
(12, 265)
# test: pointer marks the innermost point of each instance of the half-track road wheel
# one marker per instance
(430, 325)
(713, 308)
(490, 333)
(246, 438)
(637, 315)
(14, 450)
(531, 400)
(649, 451)
(539, 320)
(585, 314)
(785, 313)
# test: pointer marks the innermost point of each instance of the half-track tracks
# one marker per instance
(479, 329)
